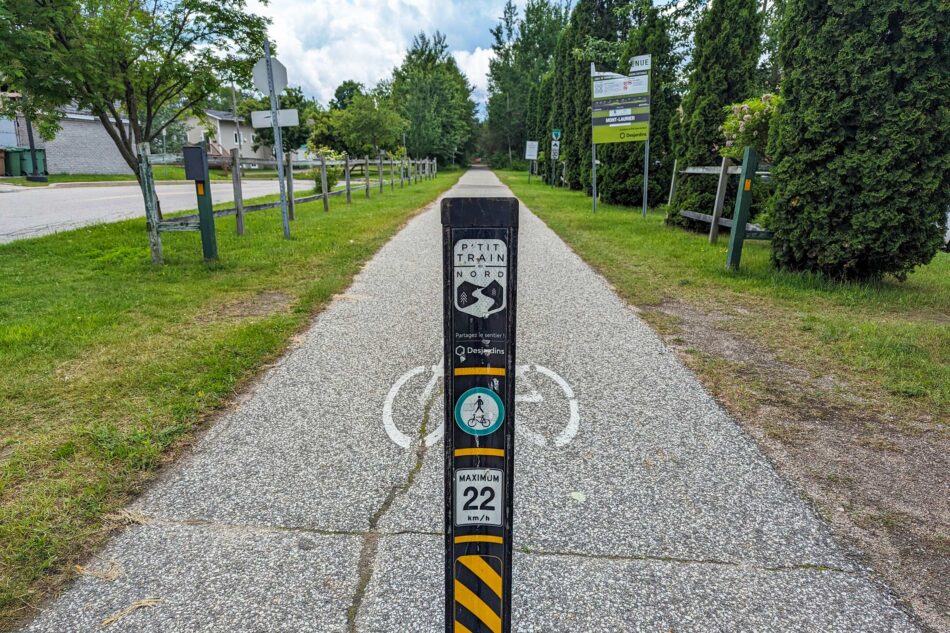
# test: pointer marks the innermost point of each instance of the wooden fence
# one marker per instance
(360, 174)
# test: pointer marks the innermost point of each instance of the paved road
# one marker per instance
(32, 211)
(300, 509)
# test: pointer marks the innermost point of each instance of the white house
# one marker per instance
(222, 136)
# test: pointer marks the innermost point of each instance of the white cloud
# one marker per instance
(326, 42)
(475, 66)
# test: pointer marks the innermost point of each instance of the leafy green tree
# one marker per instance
(726, 55)
(127, 60)
(862, 140)
(592, 23)
(368, 125)
(523, 51)
(344, 94)
(622, 169)
(431, 93)
(293, 137)
(768, 78)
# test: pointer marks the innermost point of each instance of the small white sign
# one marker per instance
(531, 150)
(285, 118)
(555, 150)
(259, 73)
(479, 496)
(641, 62)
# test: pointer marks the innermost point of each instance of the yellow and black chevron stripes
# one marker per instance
(478, 594)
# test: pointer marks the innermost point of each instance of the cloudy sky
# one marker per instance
(323, 42)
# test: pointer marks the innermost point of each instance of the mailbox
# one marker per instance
(196, 162)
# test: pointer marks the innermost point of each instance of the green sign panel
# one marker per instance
(620, 107)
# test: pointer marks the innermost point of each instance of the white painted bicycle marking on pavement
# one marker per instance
(528, 395)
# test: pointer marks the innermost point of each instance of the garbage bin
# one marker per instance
(14, 160)
(26, 161)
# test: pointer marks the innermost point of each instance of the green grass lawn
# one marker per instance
(844, 386)
(108, 364)
(893, 337)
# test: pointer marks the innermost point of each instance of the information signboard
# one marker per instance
(531, 150)
(620, 110)
(480, 250)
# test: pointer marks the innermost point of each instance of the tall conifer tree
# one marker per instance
(723, 71)
(620, 178)
(862, 142)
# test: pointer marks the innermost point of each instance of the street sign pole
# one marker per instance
(480, 251)
(593, 172)
(648, 61)
(646, 172)
(593, 153)
(278, 141)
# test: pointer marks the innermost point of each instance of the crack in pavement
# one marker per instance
(688, 561)
(367, 560)
(374, 534)
(269, 529)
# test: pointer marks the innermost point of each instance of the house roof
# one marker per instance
(222, 115)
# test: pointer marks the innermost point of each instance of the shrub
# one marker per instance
(747, 124)
(862, 138)
(334, 173)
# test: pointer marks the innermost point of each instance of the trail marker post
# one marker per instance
(480, 252)
(196, 168)
(740, 215)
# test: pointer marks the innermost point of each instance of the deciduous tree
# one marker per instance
(125, 60)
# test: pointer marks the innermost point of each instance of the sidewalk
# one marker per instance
(316, 503)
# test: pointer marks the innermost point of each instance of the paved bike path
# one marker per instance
(639, 504)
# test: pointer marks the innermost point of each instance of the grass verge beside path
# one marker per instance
(108, 364)
(846, 386)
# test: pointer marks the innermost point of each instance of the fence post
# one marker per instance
(323, 183)
(346, 172)
(673, 182)
(380, 167)
(392, 173)
(750, 163)
(238, 196)
(402, 172)
(151, 208)
(366, 173)
(720, 200)
(291, 208)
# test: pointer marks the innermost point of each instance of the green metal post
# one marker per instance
(209, 243)
(750, 163)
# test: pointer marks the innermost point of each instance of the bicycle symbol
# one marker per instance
(526, 394)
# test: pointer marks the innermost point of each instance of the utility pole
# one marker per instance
(237, 123)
